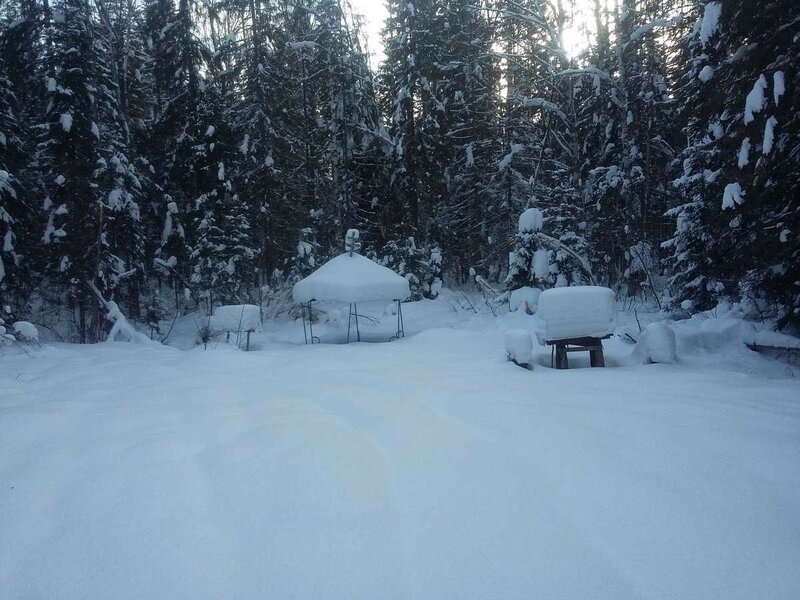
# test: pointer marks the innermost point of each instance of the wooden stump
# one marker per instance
(594, 346)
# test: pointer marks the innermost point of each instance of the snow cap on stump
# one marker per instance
(574, 312)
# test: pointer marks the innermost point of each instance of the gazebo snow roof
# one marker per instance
(351, 278)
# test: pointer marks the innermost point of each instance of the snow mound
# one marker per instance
(525, 299)
(351, 278)
(580, 311)
(657, 344)
(236, 317)
(26, 331)
(518, 346)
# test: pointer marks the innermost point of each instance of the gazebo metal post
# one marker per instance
(401, 327)
(303, 312)
(310, 334)
(352, 311)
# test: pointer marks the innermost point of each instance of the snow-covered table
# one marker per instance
(576, 319)
(351, 278)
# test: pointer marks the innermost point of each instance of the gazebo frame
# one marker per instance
(352, 316)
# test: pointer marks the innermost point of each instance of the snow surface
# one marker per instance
(430, 467)
(580, 311)
(349, 279)
(236, 317)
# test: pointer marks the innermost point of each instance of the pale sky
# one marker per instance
(374, 13)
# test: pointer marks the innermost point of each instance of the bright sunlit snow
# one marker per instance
(430, 467)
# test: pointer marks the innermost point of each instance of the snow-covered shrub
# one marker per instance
(657, 344)
(519, 347)
(529, 262)
(564, 226)
(525, 299)
(6, 337)
(421, 267)
(25, 331)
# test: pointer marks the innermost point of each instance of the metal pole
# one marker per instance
(303, 312)
(310, 323)
(349, 316)
(358, 333)
(400, 314)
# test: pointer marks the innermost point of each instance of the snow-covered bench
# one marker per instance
(576, 319)
(238, 319)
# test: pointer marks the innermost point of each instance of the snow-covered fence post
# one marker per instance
(352, 241)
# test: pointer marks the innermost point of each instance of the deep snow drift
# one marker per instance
(429, 468)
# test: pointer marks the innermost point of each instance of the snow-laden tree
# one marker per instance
(468, 90)
(737, 228)
(13, 211)
(91, 230)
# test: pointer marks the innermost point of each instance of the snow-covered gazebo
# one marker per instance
(351, 278)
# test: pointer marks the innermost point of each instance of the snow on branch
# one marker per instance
(582, 261)
(544, 105)
(642, 30)
(120, 326)
(594, 71)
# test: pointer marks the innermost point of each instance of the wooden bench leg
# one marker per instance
(561, 357)
(596, 358)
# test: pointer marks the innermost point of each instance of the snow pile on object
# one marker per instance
(710, 22)
(236, 317)
(524, 299)
(531, 220)
(706, 73)
(518, 346)
(628, 333)
(726, 326)
(122, 327)
(26, 331)
(572, 312)
(349, 279)
(657, 344)
(773, 339)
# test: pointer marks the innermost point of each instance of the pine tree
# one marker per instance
(73, 163)
(12, 209)
(737, 231)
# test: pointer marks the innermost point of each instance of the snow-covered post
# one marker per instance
(352, 241)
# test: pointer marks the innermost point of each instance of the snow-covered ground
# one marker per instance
(429, 468)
